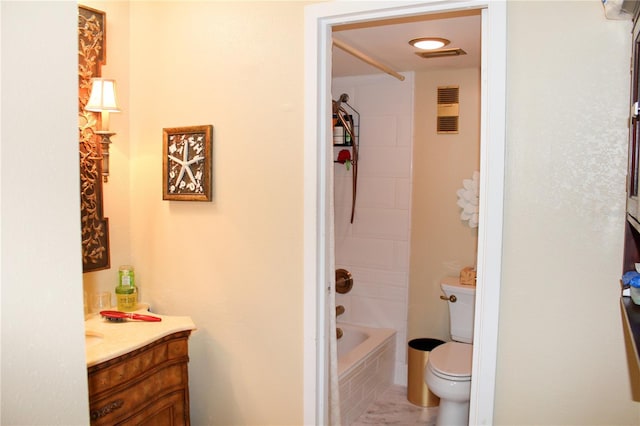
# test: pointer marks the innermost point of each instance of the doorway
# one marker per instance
(319, 20)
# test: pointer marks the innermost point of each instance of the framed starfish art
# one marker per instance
(186, 163)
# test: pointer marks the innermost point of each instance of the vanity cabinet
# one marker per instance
(147, 386)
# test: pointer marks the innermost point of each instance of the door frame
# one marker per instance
(319, 18)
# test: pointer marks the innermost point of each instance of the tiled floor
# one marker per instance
(393, 408)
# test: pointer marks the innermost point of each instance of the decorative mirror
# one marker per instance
(91, 57)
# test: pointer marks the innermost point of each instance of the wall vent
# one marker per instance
(448, 103)
(441, 53)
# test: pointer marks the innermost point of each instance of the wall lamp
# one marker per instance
(103, 100)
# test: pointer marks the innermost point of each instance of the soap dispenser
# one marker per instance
(126, 292)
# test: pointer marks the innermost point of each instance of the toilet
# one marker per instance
(448, 370)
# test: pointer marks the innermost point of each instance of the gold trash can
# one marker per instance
(418, 392)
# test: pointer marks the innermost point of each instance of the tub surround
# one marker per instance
(365, 367)
(106, 340)
(375, 247)
(363, 342)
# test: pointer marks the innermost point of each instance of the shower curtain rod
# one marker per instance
(342, 45)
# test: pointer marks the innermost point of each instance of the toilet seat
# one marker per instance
(452, 361)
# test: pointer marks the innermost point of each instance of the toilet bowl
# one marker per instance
(448, 375)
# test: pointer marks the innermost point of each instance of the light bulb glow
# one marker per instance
(429, 43)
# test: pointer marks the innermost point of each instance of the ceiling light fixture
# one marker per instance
(429, 43)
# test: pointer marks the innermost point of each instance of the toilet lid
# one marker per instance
(452, 359)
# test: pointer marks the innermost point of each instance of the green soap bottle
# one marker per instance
(126, 292)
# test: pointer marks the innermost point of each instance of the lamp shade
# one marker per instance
(103, 96)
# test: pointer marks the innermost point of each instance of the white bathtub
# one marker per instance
(366, 360)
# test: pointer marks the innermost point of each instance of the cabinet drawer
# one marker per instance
(169, 411)
(114, 407)
(148, 383)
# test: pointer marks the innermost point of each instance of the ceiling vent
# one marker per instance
(441, 53)
(448, 103)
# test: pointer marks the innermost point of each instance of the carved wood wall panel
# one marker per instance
(91, 56)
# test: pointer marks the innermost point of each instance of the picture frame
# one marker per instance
(187, 163)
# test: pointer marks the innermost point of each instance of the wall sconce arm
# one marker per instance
(105, 141)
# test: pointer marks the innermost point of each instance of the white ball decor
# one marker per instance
(468, 199)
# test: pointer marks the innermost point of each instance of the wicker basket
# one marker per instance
(468, 275)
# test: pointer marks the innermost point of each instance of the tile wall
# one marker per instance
(375, 248)
(363, 385)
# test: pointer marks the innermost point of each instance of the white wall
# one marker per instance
(375, 248)
(44, 377)
(563, 222)
(235, 264)
(561, 353)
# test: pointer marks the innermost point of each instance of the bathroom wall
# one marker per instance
(116, 192)
(44, 376)
(441, 243)
(375, 248)
(564, 212)
(560, 344)
(235, 264)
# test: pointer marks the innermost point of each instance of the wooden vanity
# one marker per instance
(148, 386)
(138, 372)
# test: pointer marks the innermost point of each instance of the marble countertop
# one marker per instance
(105, 340)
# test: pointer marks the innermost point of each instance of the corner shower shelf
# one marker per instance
(350, 123)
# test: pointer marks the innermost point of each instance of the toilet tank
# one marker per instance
(462, 310)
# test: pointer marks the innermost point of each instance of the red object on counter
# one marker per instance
(121, 316)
